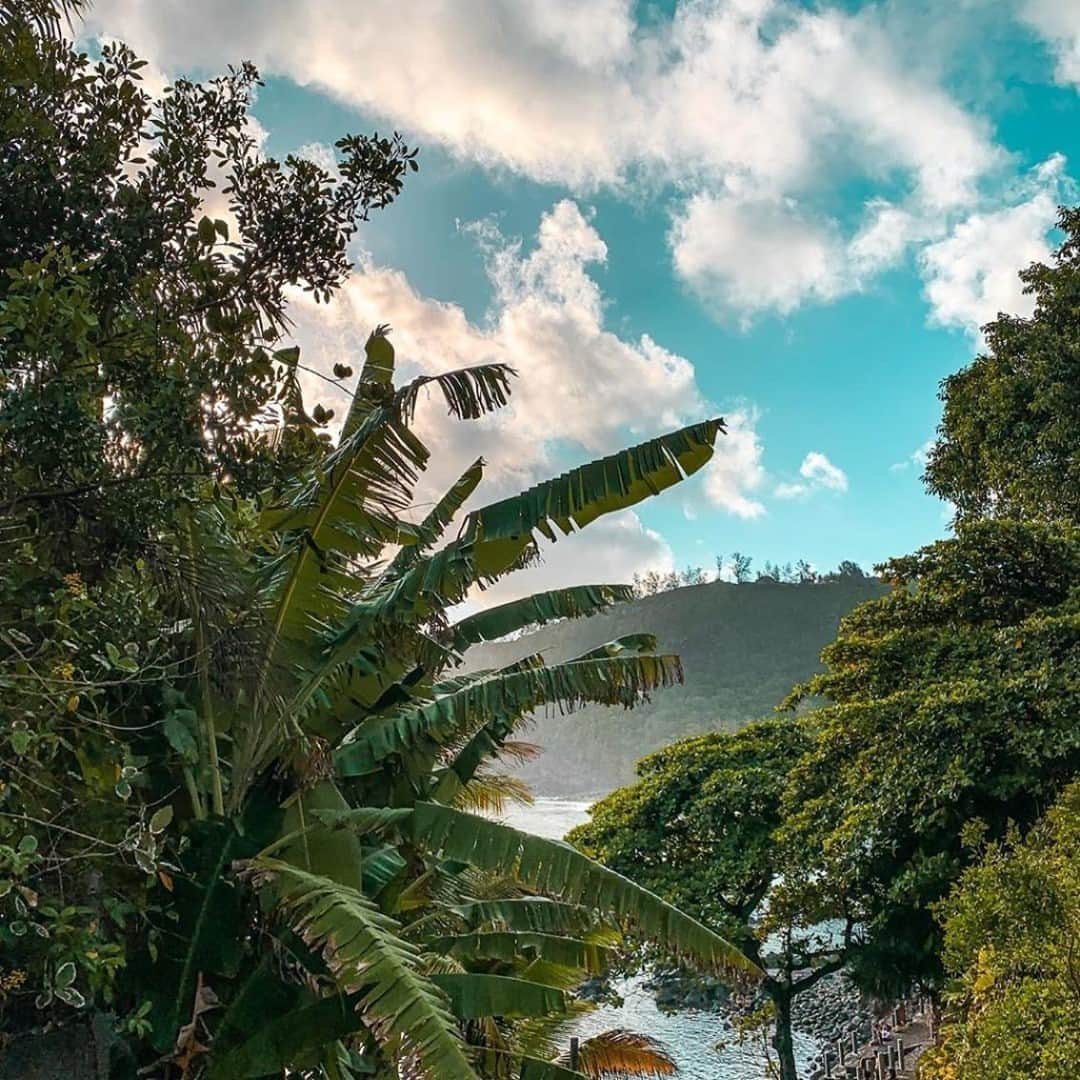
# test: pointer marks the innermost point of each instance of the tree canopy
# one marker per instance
(1010, 945)
(240, 748)
(700, 827)
(951, 705)
(1007, 444)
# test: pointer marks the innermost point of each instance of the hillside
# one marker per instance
(743, 648)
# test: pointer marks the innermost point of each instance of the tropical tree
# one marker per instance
(950, 704)
(1011, 939)
(1009, 432)
(239, 756)
(699, 827)
(321, 880)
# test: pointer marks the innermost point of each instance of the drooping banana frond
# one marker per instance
(582, 495)
(536, 610)
(504, 698)
(405, 1012)
(489, 741)
(469, 392)
(556, 869)
(537, 914)
(436, 520)
(476, 995)
(511, 945)
(620, 1053)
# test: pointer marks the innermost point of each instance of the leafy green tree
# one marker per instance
(700, 828)
(1011, 424)
(238, 756)
(951, 702)
(1012, 931)
(142, 344)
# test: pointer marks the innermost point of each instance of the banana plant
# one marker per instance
(329, 905)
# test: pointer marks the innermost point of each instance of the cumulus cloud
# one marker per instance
(745, 256)
(970, 275)
(736, 470)
(748, 109)
(818, 474)
(583, 94)
(1058, 23)
(583, 391)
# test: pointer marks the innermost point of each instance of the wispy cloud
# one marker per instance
(917, 458)
(818, 474)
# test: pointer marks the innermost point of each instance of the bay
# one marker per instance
(702, 1042)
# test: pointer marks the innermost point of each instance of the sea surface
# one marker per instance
(702, 1043)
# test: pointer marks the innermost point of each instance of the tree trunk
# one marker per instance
(782, 1041)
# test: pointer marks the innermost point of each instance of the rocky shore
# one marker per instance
(830, 1010)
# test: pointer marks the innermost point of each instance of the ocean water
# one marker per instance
(702, 1043)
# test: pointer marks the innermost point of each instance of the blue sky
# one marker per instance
(793, 215)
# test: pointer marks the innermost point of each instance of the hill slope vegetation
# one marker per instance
(743, 648)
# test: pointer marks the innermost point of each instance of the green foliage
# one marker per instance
(700, 828)
(952, 701)
(1011, 929)
(555, 868)
(1008, 437)
(235, 739)
(697, 827)
(366, 954)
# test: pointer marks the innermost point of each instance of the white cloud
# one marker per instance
(749, 108)
(583, 391)
(1058, 22)
(736, 470)
(762, 90)
(818, 473)
(745, 256)
(971, 274)
(918, 457)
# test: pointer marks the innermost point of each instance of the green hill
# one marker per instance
(743, 648)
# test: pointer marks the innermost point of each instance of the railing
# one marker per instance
(913, 1026)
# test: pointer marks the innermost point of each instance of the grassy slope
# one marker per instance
(743, 647)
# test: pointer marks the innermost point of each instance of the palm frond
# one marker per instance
(620, 1053)
(405, 1012)
(492, 793)
(502, 699)
(556, 869)
(536, 610)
